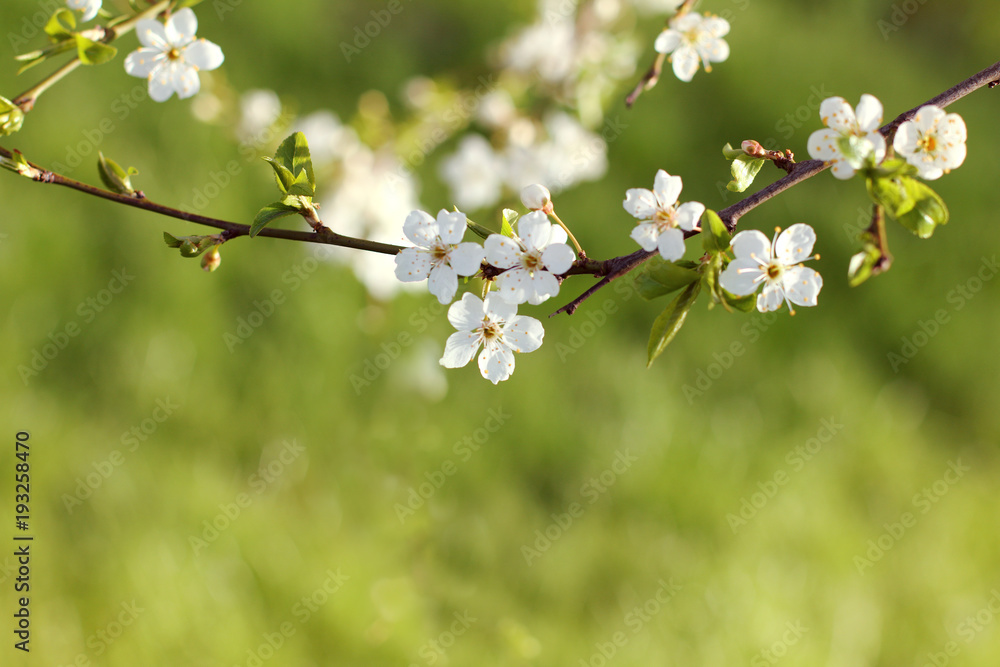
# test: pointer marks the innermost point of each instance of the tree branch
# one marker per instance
(619, 266)
(232, 229)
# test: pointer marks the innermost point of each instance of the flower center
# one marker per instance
(532, 261)
(439, 252)
(665, 218)
(491, 329)
(174, 54)
(774, 271)
(927, 143)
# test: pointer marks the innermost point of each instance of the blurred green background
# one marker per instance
(302, 472)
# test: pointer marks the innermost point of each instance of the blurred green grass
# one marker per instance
(334, 506)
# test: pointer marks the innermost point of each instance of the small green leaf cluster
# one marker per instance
(61, 29)
(744, 168)
(661, 278)
(912, 203)
(293, 173)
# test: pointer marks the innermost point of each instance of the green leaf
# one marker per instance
(863, 264)
(744, 304)
(268, 214)
(282, 175)
(61, 25)
(479, 230)
(662, 277)
(114, 177)
(171, 240)
(715, 236)
(744, 169)
(510, 216)
(671, 320)
(293, 155)
(731, 153)
(11, 117)
(94, 53)
(912, 203)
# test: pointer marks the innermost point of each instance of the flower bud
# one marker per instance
(211, 260)
(753, 148)
(537, 198)
(11, 117)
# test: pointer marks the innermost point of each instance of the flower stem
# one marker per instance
(579, 251)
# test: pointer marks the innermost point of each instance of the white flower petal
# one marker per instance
(667, 41)
(513, 286)
(688, 215)
(181, 28)
(558, 258)
(741, 277)
(451, 226)
(843, 170)
(802, 285)
(646, 235)
(466, 258)
(460, 348)
(204, 55)
(161, 84)
(421, 229)
(523, 334)
(667, 188)
(534, 230)
(467, 313)
(640, 203)
(557, 235)
(496, 361)
(771, 298)
(686, 62)
(751, 244)
(502, 252)
(671, 245)
(151, 35)
(795, 244)
(716, 50)
(716, 26)
(142, 62)
(413, 265)
(822, 145)
(837, 115)
(185, 80)
(443, 283)
(869, 113)
(541, 287)
(498, 309)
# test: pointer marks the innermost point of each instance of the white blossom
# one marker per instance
(88, 8)
(494, 324)
(533, 263)
(536, 197)
(661, 224)
(440, 256)
(694, 40)
(933, 142)
(474, 173)
(171, 56)
(852, 138)
(775, 265)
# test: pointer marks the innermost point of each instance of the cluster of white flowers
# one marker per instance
(529, 261)
(933, 141)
